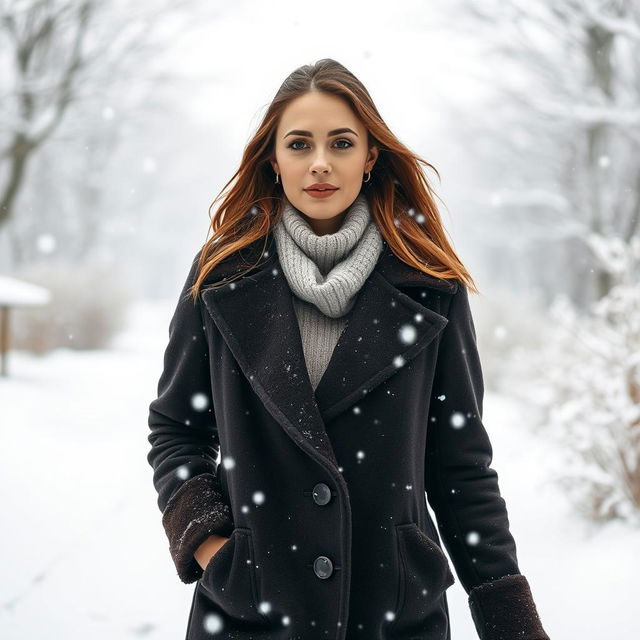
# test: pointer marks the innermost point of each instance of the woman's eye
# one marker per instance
(349, 144)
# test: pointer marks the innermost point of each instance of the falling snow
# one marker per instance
(473, 538)
(457, 420)
(183, 472)
(212, 623)
(408, 334)
(398, 361)
(200, 401)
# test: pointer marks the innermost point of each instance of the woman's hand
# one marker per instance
(208, 549)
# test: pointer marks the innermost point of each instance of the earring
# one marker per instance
(277, 178)
(369, 178)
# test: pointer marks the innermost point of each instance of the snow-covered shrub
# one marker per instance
(87, 309)
(585, 381)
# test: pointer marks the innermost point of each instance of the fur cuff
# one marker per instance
(504, 609)
(194, 512)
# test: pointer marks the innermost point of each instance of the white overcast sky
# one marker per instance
(412, 66)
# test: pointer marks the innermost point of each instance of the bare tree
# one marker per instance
(61, 54)
(567, 120)
(34, 31)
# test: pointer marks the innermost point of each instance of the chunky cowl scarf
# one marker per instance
(325, 273)
(328, 270)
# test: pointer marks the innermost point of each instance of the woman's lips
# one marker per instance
(317, 193)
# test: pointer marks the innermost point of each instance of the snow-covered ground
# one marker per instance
(83, 549)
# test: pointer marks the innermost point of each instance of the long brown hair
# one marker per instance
(401, 200)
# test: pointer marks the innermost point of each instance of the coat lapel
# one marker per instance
(256, 317)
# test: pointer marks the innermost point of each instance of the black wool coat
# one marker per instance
(322, 495)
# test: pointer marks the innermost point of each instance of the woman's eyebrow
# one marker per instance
(308, 134)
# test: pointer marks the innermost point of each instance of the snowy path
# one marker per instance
(84, 552)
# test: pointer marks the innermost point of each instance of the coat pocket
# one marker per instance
(423, 577)
(230, 580)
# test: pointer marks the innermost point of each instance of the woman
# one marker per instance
(323, 343)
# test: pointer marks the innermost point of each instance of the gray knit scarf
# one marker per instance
(328, 270)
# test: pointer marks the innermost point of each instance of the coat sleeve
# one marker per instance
(184, 440)
(462, 489)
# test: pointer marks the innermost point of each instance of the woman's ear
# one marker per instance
(372, 157)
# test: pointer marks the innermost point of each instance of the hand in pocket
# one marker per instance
(205, 552)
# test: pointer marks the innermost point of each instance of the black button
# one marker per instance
(323, 567)
(321, 493)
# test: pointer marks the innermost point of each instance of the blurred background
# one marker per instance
(119, 124)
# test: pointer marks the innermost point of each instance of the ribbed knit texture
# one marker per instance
(325, 274)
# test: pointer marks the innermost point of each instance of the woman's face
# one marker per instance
(310, 150)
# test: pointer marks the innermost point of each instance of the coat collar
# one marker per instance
(256, 317)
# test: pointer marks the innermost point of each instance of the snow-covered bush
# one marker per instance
(585, 381)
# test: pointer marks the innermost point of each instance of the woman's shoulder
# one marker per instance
(401, 274)
(243, 261)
